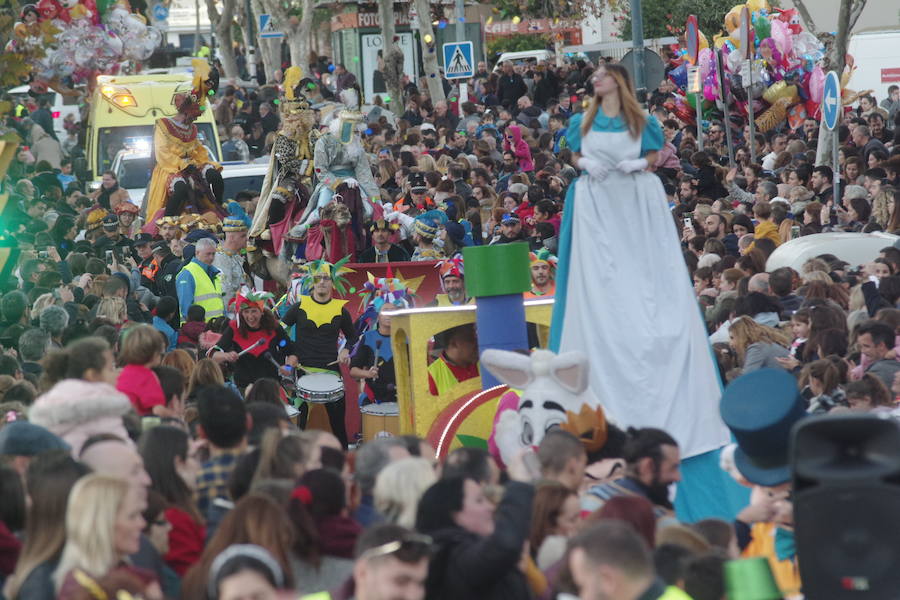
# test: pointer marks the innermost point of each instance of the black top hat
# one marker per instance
(760, 409)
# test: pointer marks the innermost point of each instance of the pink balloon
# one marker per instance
(709, 92)
(782, 36)
(816, 84)
(705, 61)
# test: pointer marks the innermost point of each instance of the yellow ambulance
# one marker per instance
(123, 113)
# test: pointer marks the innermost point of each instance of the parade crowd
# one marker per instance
(144, 436)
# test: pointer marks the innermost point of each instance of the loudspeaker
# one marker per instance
(846, 474)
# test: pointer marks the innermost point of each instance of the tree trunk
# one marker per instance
(222, 24)
(429, 53)
(263, 47)
(304, 32)
(835, 60)
(392, 56)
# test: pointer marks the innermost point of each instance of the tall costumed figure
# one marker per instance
(623, 294)
(285, 192)
(345, 177)
(185, 179)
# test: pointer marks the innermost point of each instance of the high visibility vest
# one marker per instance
(207, 292)
(317, 596)
(444, 379)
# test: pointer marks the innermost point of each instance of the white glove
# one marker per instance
(351, 183)
(594, 168)
(632, 165)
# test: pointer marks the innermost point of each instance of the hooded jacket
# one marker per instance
(519, 148)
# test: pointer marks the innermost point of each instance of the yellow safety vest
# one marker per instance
(207, 292)
(317, 596)
(444, 300)
(444, 379)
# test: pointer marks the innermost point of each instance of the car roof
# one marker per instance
(241, 169)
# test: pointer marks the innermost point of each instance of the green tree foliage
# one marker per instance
(551, 9)
(515, 43)
(664, 18)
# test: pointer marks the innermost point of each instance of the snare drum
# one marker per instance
(380, 420)
(320, 388)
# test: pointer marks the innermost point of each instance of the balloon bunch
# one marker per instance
(785, 69)
(78, 39)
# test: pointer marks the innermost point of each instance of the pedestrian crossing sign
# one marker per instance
(459, 60)
(267, 28)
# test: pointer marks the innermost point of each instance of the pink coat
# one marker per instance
(519, 148)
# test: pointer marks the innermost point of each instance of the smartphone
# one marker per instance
(688, 222)
(795, 232)
(109, 257)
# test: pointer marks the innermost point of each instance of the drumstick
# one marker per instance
(255, 344)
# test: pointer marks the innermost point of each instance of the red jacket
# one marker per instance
(186, 539)
(142, 387)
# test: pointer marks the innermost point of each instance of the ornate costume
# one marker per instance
(185, 179)
(285, 191)
(342, 168)
(233, 264)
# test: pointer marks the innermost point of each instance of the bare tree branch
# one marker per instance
(855, 10)
(804, 14)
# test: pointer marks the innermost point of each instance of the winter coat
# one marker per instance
(467, 565)
(519, 148)
(44, 147)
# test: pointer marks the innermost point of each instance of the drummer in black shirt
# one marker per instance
(319, 319)
(254, 342)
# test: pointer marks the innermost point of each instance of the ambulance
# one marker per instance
(123, 113)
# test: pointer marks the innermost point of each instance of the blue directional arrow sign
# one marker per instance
(458, 60)
(831, 100)
(160, 12)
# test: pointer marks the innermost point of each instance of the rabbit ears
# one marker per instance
(569, 370)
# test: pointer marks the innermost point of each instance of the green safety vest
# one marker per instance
(207, 292)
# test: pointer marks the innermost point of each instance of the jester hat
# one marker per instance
(247, 298)
(543, 256)
(379, 292)
(305, 278)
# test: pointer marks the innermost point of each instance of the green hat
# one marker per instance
(750, 579)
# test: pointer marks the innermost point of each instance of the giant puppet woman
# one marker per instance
(343, 172)
(623, 294)
(185, 178)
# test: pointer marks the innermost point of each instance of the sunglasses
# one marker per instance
(409, 548)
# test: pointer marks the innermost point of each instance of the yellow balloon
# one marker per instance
(757, 5)
(704, 43)
(733, 18)
(428, 39)
(719, 40)
(780, 90)
(516, 19)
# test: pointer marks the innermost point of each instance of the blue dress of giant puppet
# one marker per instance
(624, 296)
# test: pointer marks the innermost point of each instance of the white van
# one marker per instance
(877, 60)
(523, 56)
(60, 107)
